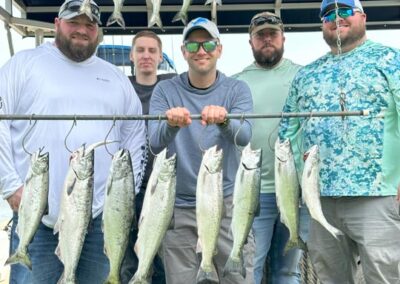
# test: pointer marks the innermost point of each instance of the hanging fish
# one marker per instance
(32, 207)
(86, 9)
(182, 14)
(116, 16)
(75, 210)
(119, 212)
(246, 196)
(311, 190)
(156, 215)
(155, 18)
(209, 207)
(214, 4)
(287, 192)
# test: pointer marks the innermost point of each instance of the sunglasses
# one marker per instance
(265, 19)
(75, 6)
(342, 12)
(194, 46)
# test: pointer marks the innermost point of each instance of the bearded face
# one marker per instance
(77, 38)
(267, 46)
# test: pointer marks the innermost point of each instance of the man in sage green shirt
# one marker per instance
(269, 79)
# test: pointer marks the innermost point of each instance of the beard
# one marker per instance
(353, 36)
(268, 60)
(77, 53)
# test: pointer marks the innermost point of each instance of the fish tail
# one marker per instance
(297, 243)
(139, 279)
(235, 266)
(116, 17)
(20, 257)
(180, 16)
(155, 20)
(334, 231)
(113, 279)
(204, 277)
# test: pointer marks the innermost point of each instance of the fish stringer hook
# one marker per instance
(105, 138)
(69, 132)
(242, 119)
(27, 133)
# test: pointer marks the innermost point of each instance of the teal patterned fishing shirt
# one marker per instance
(360, 155)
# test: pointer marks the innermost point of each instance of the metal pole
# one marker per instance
(193, 116)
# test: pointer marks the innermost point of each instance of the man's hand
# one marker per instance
(15, 199)
(178, 117)
(213, 114)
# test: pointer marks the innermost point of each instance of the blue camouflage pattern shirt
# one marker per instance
(359, 155)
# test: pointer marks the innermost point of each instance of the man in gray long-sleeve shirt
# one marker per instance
(203, 90)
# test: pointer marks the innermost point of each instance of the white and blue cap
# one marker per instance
(72, 8)
(201, 24)
(329, 5)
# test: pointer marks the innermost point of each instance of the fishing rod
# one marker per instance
(193, 116)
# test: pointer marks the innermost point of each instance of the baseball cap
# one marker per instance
(203, 24)
(328, 5)
(265, 20)
(72, 8)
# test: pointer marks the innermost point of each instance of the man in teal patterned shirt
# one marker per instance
(359, 156)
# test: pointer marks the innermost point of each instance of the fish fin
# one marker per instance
(109, 186)
(180, 17)
(105, 251)
(57, 225)
(235, 266)
(70, 187)
(156, 20)
(116, 18)
(207, 277)
(199, 248)
(57, 252)
(20, 257)
(136, 248)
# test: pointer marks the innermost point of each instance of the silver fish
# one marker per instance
(311, 190)
(32, 207)
(75, 210)
(246, 197)
(182, 14)
(209, 205)
(155, 18)
(214, 4)
(287, 192)
(116, 16)
(156, 215)
(119, 212)
(86, 9)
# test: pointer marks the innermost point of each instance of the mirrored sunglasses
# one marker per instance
(266, 20)
(75, 6)
(342, 12)
(194, 46)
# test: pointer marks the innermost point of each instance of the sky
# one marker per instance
(300, 47)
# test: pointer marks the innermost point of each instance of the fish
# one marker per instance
(156, 215)
(155, 18)
(86, 9)
(287, 190)
(34, 202)
(214, 4)
(182, 14)
(119, 212)
(246, 204)
(311, 190)
(116, 16)
(209, 208)
(75, 210)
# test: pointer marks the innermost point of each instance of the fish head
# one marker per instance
(313, 154)
(283, 150)
(251, 159)
(212, 159)
(122, 163)
(82, 162)
(40, 162)
(167, 168)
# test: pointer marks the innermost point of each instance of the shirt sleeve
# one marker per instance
(133, 136)
(10, 83)
(160, 133)
(238, 131)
